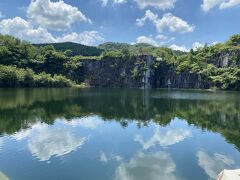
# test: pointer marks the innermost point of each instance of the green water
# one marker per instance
(118, 134)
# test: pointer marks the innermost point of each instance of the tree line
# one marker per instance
(59, 65)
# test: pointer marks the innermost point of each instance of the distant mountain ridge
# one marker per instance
(77, 49)
(84, 50)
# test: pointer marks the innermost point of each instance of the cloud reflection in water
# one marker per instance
(142, 166)
(168, 138)
(213, 165)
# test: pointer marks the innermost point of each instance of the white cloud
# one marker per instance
(197, 45)
(160, 4)
(117, 158)
(228, 4)
(54, 15)
(105, 159)
(214, 43)
(86, 37)
(209, 4)
(120, 1)
(89, 122)
(104, 3)
(168, 21)
(22, 29)
(23, 134)
(161, 37)
(179, 48)
(148, 40)
(155, 41)
(168, 138)
(221, 4)
(164, 39)
(213, 165)
(46, 141)
(147, 166)
(1, 15)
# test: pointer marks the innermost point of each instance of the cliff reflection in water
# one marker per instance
(211, 111)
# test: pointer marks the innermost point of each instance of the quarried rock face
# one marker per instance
(225, 58)
(118, 72)
(167, 77)
(147, 72)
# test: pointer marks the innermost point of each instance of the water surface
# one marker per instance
(118, 134)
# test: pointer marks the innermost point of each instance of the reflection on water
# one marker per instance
(142, 166)
(168, 138)
(45, 141)
(214, 163)
(118, 134)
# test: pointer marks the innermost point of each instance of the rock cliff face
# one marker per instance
(167, 77)
(114, 72)
(142, 72)
(225, 59)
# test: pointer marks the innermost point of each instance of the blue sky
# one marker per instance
(180, 24)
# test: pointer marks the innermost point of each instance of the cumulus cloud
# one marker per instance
(89, 122)
(45, 142)
(168, 138)
(160, 4)
(179, 48)
(155, 41)
(209, 4)
(168, 21)
(148, 40)
(105, 159)
(86, 37)
(214, 43)
(197, 45)
(161, 37)
(214, 164)
(147, 166)
(106, 2)
(228, 4)
(164, 39)
(54, 15)
(221, 4)
(1, 15)
(120, 1)
(24, 30)
(53, 142)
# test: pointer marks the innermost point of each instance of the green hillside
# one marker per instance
(76, 49)
(56, 65)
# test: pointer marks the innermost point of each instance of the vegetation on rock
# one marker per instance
(61, 64)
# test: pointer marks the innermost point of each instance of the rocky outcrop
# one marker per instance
(167, 77)
(135, 72)
(147, 72)
(225, 58)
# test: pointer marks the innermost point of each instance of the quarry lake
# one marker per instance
(118, 134)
